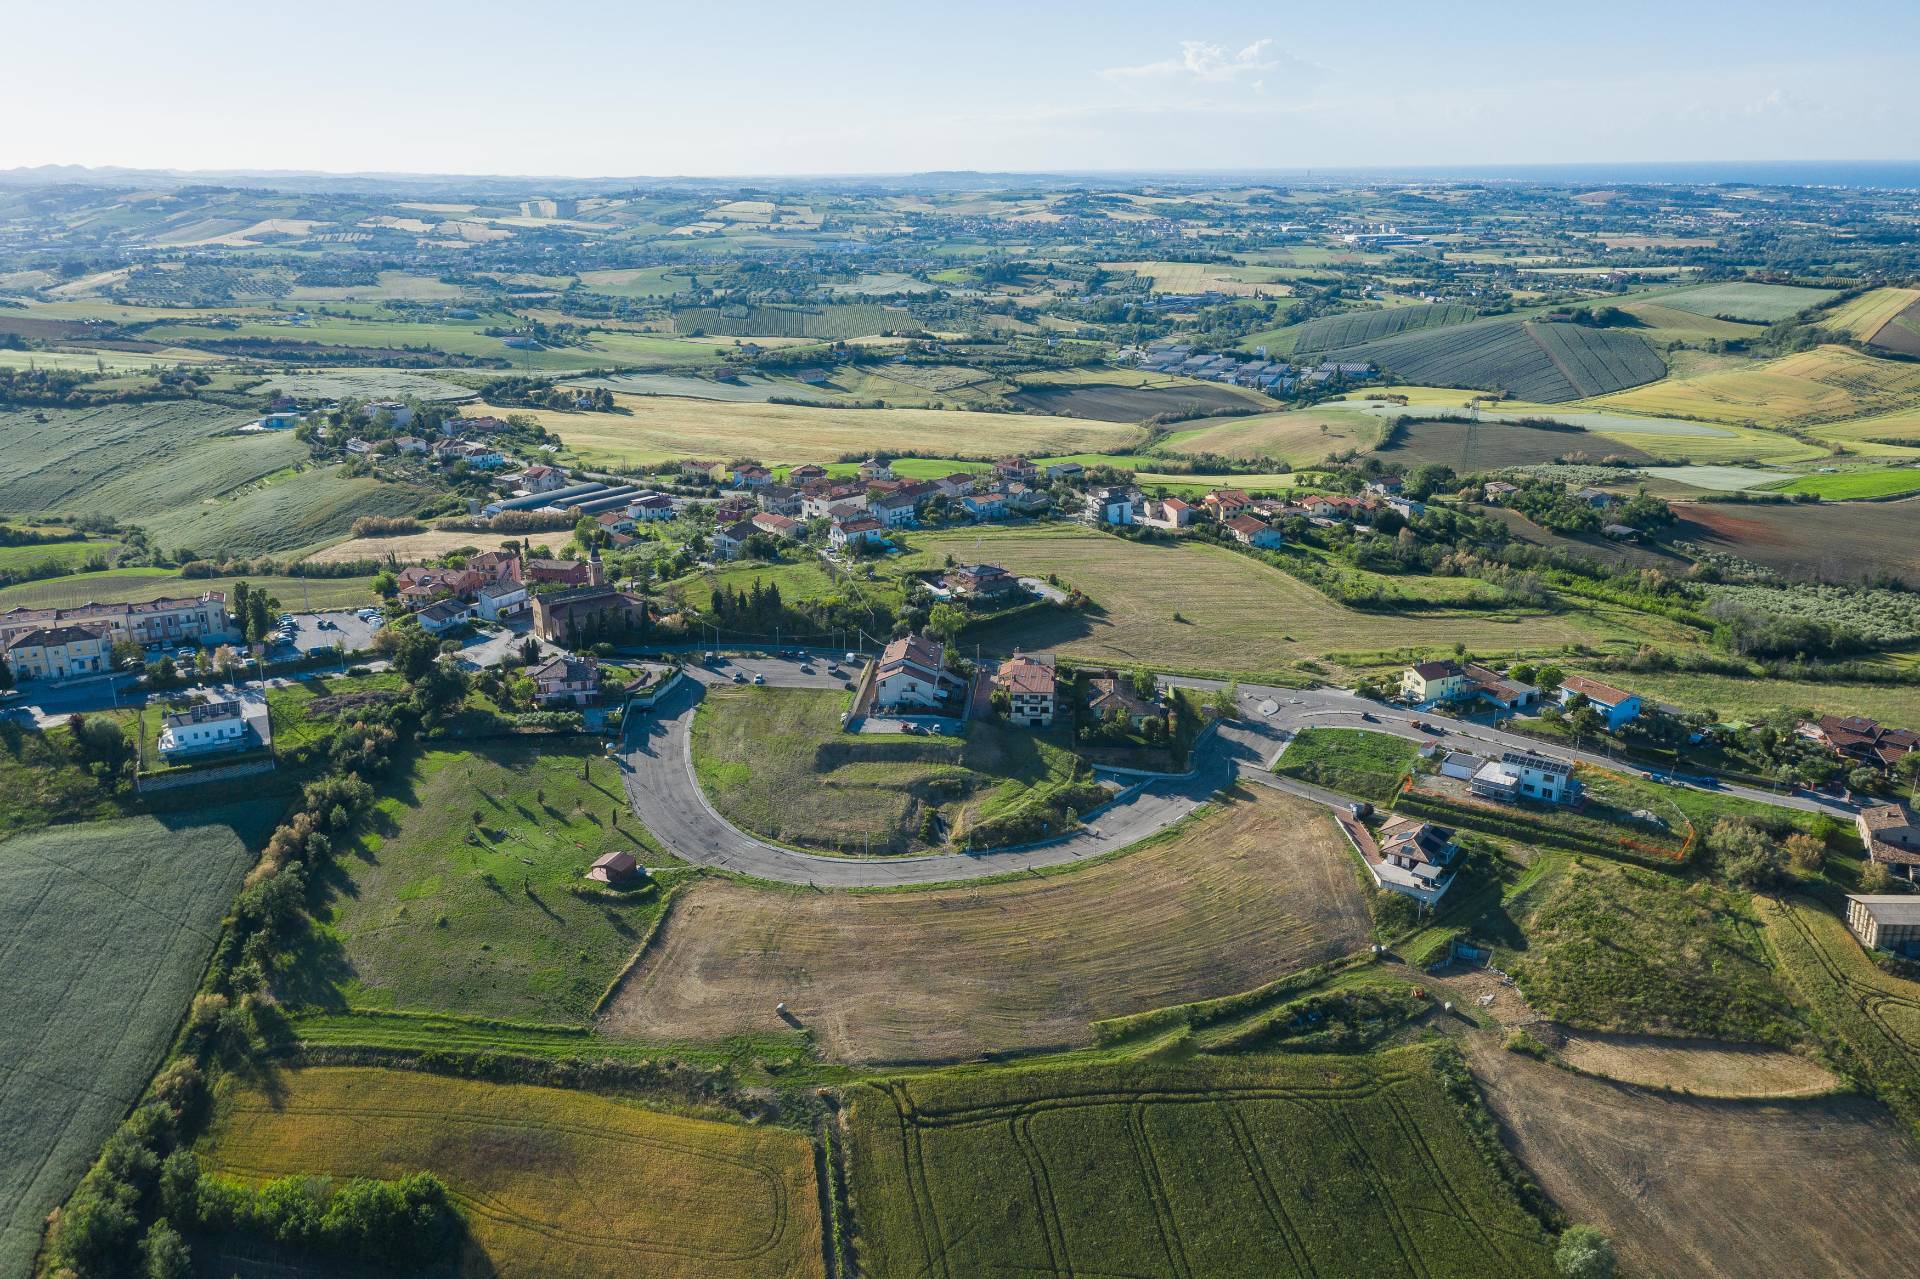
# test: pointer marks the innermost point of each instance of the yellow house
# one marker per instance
(1433, 682)
(60, 652)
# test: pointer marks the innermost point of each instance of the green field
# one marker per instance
(285, 513)
(62, 555)
(106, 929)
(604, 348)
(131, 460)
(1610, 947)
(1754, 303)
(1366, 764)
(551, 1181)
(1873, 1016)
(1844, 485)
(774, 761)
(1261, 1166)
(1196, 607)
(432, 908)
(850, 320)
(1826, 384)
(127, 585)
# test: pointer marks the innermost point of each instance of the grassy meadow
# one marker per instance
(774, 761)
(1826, 384)
(1366, 764)
(1203, 608)
(459, 893)
(1258, 1166)
(1611, 947)
(551, 1181)
(131, 585)
(107, 927)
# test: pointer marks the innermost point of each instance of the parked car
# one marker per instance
(739, 677)
(759, 679)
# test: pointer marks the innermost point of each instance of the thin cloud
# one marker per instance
(1206, 62)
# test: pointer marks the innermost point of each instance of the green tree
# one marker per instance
(385, 584)
(946, 621)
(1584, 1253)
(258, 623)
(1549, 678)
(164, 1254)
(415, 653)
(6, 675)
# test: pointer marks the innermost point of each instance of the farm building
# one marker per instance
(1885, 921)
(615, 868)
(1892, 837)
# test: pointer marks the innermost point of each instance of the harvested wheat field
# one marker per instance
(551, 1182)
(1714, 1189)
(1255, 888)
(414, 548)
(645, 429)
(1702, 1067)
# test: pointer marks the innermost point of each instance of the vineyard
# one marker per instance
(833, 322)
(1544, 363)
(1332, 332)
(1269, 1167)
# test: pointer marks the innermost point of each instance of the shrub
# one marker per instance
(1584, 1253)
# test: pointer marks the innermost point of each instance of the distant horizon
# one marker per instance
(869, 87)
(1895, 173)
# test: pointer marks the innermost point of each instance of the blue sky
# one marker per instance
(590, 88)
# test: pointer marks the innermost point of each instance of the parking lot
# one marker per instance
(781, 672)
(342, 628)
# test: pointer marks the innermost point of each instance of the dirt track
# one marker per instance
(1243, 896)
(1727, 1189)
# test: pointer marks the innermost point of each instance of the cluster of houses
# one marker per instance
(865, 508)
(72, 643)
(1451, 683)
(566, 598)
(1275, 377)
(1249, 520)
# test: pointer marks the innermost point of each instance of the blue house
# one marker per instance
(1616, 706)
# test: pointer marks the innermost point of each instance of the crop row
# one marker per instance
(849, 321)
(1489, 355)
(1332, 332)
(1598, 360)
(1329, 1166)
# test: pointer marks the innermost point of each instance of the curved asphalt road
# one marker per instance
(656, 760)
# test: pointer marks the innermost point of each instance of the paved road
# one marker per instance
(656, 761)
(1298, 708)
(655, 755)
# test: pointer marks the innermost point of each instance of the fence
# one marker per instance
(148, 782)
